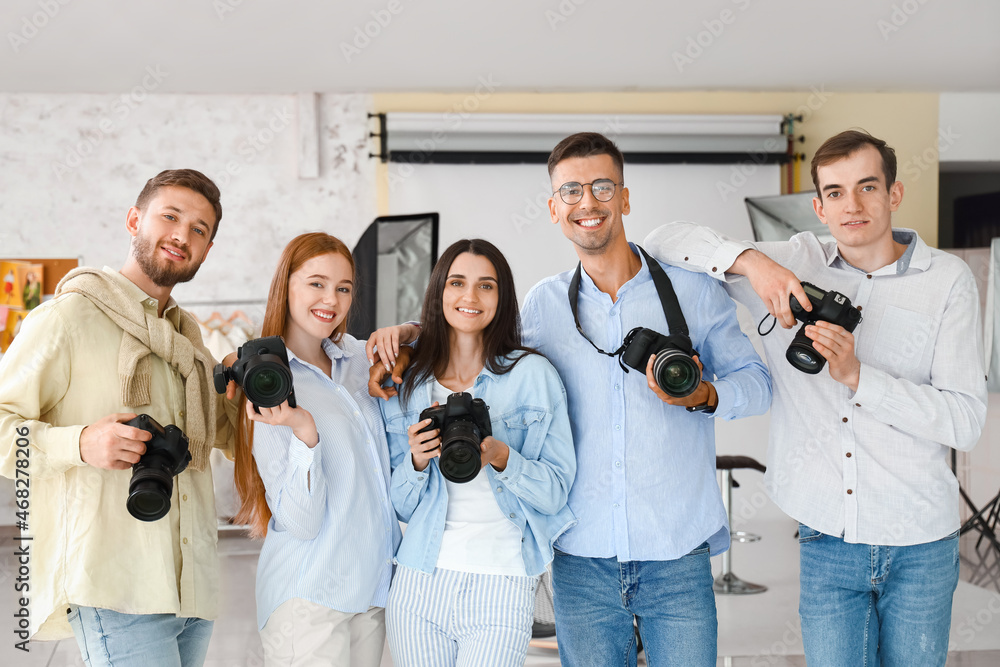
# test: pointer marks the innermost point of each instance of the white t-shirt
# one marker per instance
(477, 536)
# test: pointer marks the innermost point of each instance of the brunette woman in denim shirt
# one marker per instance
(472, 553)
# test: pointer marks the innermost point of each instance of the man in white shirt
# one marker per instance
(859, 455)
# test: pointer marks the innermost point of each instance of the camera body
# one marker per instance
(152, 482)
(464, 422)
(261, 369)
(831, 307)
(674, 369)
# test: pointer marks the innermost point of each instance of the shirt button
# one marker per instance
(685, 259)
(184, 497)
(859, 309)
(499, 489)
(618, 427)
(420, 478)
(185, 540)
(617, 386)
(618, 464)
(615, 505)
(511, 515)
(181, 414)
(857, 405)
(869, 276)
(848, 455)
(714, 270)
(845, 420)
(849, 492)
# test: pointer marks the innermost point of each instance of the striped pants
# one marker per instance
(457, 618)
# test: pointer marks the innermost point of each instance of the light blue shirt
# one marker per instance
(646, 485)
(332, 532)
(528, 414)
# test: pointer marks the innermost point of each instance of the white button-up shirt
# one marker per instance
(871, 466)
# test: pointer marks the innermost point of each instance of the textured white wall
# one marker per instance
(71, 165)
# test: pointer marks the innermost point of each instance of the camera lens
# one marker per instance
(149, 493)
(676, 373)
(803, 355)
(460, 455)
(267, 382)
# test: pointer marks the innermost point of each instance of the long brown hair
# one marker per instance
(501, 338)
(253, 503)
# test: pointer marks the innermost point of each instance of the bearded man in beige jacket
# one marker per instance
(111, 345)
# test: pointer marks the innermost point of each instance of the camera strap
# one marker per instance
(668, 300)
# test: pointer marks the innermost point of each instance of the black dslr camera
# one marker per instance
(831, 307)
(464, 422)
(152, 481)
(261, 368)
(674, 369)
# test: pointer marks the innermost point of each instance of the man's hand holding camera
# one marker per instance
(836, 344)
(773, 283)
(112, 444)
(790, 300)
(704, 394)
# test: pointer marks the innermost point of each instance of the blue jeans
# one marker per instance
(109, 638)
(861, 604)
(596, 600)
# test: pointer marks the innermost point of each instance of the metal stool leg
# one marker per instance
(728, 583)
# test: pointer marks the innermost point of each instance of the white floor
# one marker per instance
(754, 631)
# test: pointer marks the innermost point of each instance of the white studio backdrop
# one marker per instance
(507, 205)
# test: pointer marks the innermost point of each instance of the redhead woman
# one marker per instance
(314, 480)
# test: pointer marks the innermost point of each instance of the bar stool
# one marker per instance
(728, 583)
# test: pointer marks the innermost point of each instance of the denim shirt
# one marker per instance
(527, 413)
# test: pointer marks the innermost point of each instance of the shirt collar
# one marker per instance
(640, 277)
(332, 350)
(171, 312)
(916, 256)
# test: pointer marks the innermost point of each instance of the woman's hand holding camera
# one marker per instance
(298, 419)
(424, 446)
(495, 453)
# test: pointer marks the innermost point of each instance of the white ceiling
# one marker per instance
(268, 46)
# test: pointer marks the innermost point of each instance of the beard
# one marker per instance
(158, 270)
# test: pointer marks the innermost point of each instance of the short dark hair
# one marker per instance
(846, 144)
(586, 144)
(184, 178)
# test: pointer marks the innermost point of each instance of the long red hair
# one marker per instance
(249, 485)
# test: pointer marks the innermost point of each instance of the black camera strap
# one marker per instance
(665, 290)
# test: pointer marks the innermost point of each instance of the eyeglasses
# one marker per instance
(603, 189)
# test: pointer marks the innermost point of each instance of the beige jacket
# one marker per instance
(59, 376)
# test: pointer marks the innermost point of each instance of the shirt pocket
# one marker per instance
(902, 340)
(524, 430)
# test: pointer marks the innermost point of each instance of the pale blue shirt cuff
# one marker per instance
(302, 455)
(726, 393)
(724, 257)
(872, 387)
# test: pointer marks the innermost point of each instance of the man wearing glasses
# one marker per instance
(649, 508)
